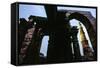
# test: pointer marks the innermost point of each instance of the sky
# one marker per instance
(38, 10)
(26, 10)
(91, 10)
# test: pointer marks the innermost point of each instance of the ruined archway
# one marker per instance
(89, 27)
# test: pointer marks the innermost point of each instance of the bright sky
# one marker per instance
(26, 10)
(92, 10)
(44, 45)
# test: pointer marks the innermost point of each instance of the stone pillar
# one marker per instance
(33, 51)
(77, 55)
(88, 53)
(59, 47)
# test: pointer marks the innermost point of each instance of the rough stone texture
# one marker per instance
(25, 44)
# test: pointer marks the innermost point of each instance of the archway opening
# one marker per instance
(44, 46)
(75, 22)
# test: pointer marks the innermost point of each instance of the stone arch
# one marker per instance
(89, 27)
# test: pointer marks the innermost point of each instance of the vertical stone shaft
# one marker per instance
(77, 55)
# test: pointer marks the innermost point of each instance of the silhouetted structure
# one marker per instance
(59, 47)
(60, 33)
